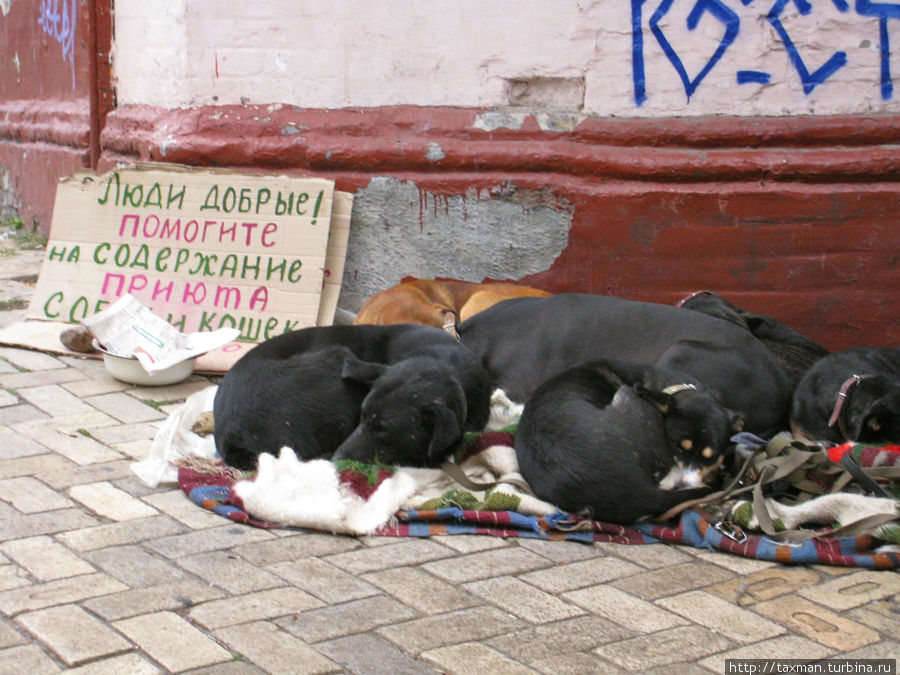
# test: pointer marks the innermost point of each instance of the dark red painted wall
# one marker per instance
(794, 217)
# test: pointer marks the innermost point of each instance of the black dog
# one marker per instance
(795, 352)
(402, 394)
(621, 440)
(850, 395)
(525, 341)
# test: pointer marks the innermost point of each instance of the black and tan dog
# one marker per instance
(622, 440)
(400, 394)
(524, 341)
(851, 395)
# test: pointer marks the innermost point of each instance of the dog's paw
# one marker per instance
(204, 425)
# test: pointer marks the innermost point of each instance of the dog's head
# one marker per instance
(874, 411)
(698, 428)
(412, 416)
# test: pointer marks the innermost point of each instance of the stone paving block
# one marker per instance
(29, 359)
(889, 649)
(275, 650)
(54, 400)
(522, 600)
(853, 590)
(118, 534)
(486, 564)
(13, 576)
(67, 424)
(95, 386)
(70, 442)
(6, 367)
(463, 625)
(45, 558)
(735, 563)
(74, 635)
(739, 625)
(58, 592)
(212, 539)
(125, 664)
(125, 408)
(560, 552)
(33, 464)
(137, 449)
(883, 616)
(764, 585)
(110, 502)
(172, 641)
(542, 644)
(470, 543)
(9, 636)
(646, 555)
(268, 604)
(125, 433)
(357, 616)
(671, 580)
(473, 658)
(176, 504)
(20, 413)
(817, 622)
(174, 595)
(7, 398)
(401, 552)
(14, 525)
(323, 580)
(91, 473)
(782, 647)
(40, 378)
(26, 659)
(226, 570)
(14, 445)
(420, 590)
(92, 367)
(676, 645)
(372, 655)
(575, 663)
(172, 392)
(294, 547)
(29, 495)
(580, 574)
(624, 609)
(135, 566)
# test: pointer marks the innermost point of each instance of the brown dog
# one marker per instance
(437, 302)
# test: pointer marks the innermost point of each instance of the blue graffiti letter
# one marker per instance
(883, 12)
(721, 12)
(810, 80)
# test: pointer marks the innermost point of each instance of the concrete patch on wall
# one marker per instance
(399, 230)
(9, 201)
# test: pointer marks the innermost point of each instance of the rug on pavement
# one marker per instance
(490, 499)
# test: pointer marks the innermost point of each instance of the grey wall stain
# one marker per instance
(398, 230)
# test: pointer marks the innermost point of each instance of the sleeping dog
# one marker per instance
(851, 395)
(401, 394)
(622, 440)
(525, 341)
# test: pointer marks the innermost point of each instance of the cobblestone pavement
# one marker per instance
(100, 574)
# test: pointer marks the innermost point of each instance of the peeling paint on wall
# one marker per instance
(399, 230)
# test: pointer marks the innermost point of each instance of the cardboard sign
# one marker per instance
(203, 249)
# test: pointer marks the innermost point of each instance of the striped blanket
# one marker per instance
(434, 504)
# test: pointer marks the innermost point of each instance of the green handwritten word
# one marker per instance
(192, 231)
(190, 262)
(229, 200)
(141, 195)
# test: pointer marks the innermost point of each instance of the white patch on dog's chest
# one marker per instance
(680, 478)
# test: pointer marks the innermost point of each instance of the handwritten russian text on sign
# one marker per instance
(203, 249)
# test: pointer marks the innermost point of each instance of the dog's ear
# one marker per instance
(362, 371)
(735, 420)
(445, 430)
(665, 403)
